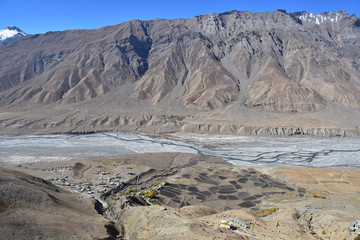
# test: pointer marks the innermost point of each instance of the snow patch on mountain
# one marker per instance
(319, 18)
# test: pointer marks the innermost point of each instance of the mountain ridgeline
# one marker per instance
(271, 69)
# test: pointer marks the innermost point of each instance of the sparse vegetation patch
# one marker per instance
(268, 212)
(318, 195)
(172, 118)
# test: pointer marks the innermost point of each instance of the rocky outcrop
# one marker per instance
(233, 129)
(315, 132)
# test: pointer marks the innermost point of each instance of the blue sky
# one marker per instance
(40, 16)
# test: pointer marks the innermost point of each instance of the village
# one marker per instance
(99, 182)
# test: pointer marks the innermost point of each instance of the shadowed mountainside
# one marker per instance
(32, 208)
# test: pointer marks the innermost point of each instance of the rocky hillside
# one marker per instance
(32, 208)
(272, 69)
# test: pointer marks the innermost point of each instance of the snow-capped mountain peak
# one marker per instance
(10, 34)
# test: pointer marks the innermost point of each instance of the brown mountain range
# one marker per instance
(272, 73)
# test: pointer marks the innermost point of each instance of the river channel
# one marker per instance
(240, 151)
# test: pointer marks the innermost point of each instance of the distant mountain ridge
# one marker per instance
(10, 34)
(263, 70)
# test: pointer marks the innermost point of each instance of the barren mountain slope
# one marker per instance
(248, 69)
(32, 208)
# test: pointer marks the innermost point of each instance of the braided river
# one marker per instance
(238, 150)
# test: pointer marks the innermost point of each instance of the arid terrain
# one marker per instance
(233, 73)
(244, 73)
(32, 208)
(178, 196)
